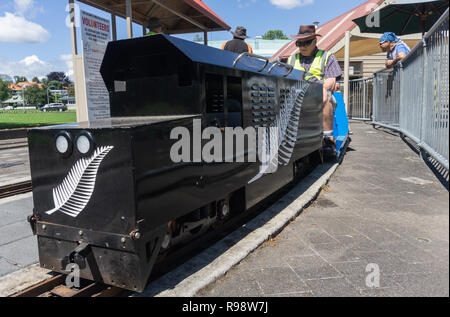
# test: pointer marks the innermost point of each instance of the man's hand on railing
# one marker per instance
(391, 63)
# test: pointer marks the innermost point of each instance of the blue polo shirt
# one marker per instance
(399, 47)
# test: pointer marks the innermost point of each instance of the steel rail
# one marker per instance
(56, 287)
(15, 189)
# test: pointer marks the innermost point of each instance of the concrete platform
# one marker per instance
(383, 210)
(18, 246)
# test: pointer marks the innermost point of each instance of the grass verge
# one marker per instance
(32, 118)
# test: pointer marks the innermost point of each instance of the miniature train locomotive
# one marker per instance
(108, 195)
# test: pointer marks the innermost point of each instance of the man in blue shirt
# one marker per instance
(396, 49)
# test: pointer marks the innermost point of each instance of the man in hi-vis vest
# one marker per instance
(155, 26)
(318, 66)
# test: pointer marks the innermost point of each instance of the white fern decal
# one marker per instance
(278, 142)
(74, 193)
(289, 123)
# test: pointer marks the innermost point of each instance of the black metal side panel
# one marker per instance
(111, 206)
(310, 130)
(164, 190)
(150, 76)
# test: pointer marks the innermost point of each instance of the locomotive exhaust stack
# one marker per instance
(107, 195)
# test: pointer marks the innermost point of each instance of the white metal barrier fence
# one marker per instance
(360, 99)
(414, 97)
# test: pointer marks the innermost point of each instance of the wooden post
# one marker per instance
(129, 14)
(73, 30)
(347, 69)
(205, 37)
(114, 26)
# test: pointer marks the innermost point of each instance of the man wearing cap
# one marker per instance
(155, 26)
(318, 66)
(237, 44)
(396, 49)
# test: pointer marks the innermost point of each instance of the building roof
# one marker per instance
(22, 85)
(333, 31)
(172, 14)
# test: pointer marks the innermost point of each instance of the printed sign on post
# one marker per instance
(95, 34)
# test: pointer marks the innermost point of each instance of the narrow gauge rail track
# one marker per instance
(55, 287)
(15, 189)
(13, 145)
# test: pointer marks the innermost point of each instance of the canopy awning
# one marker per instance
(177, 16)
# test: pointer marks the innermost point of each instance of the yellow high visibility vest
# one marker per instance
(317, 68)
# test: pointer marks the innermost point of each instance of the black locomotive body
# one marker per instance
(108, 195)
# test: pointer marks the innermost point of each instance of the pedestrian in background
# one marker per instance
(238, 44)
(396, 49)
(155, 26)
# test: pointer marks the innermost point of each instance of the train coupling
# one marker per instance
(77, 256)
(32, 219)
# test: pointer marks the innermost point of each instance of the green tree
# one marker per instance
(59, 76)
(55, 85)
(20, 79)
(71, 90)
(275, 35)
(35, 80)
(198, 38)
(5, 93)
(36, 96)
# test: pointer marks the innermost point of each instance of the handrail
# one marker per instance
(436, 25)
(252, 55)
(277, 62)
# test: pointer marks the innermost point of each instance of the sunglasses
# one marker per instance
(305, 43)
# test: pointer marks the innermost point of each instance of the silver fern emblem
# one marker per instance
(74, 193)
(278, 142)
(289, 122)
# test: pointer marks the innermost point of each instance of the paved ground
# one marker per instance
(383, 210)
(383, 207)
(18, 246)
(14, 163)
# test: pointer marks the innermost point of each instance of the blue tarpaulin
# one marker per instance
(340, 126)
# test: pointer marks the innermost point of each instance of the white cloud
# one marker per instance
(17, 29)
(33, 66)
(290, 4)
(23, 6)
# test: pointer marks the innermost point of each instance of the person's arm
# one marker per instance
(328, 86)
(400, 56)
(390, 63)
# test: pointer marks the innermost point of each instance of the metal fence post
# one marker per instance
(424, 92)
(375, 97)
(401, 103)
(364, 98)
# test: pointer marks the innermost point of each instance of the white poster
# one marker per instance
(95, 34)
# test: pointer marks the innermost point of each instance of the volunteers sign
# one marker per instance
(95, 34)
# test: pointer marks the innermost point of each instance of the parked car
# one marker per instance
(54, 107)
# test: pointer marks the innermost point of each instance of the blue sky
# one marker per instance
(35, 40)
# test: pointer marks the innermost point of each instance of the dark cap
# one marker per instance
(240, 32)
(306, 32)
(154, 23)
